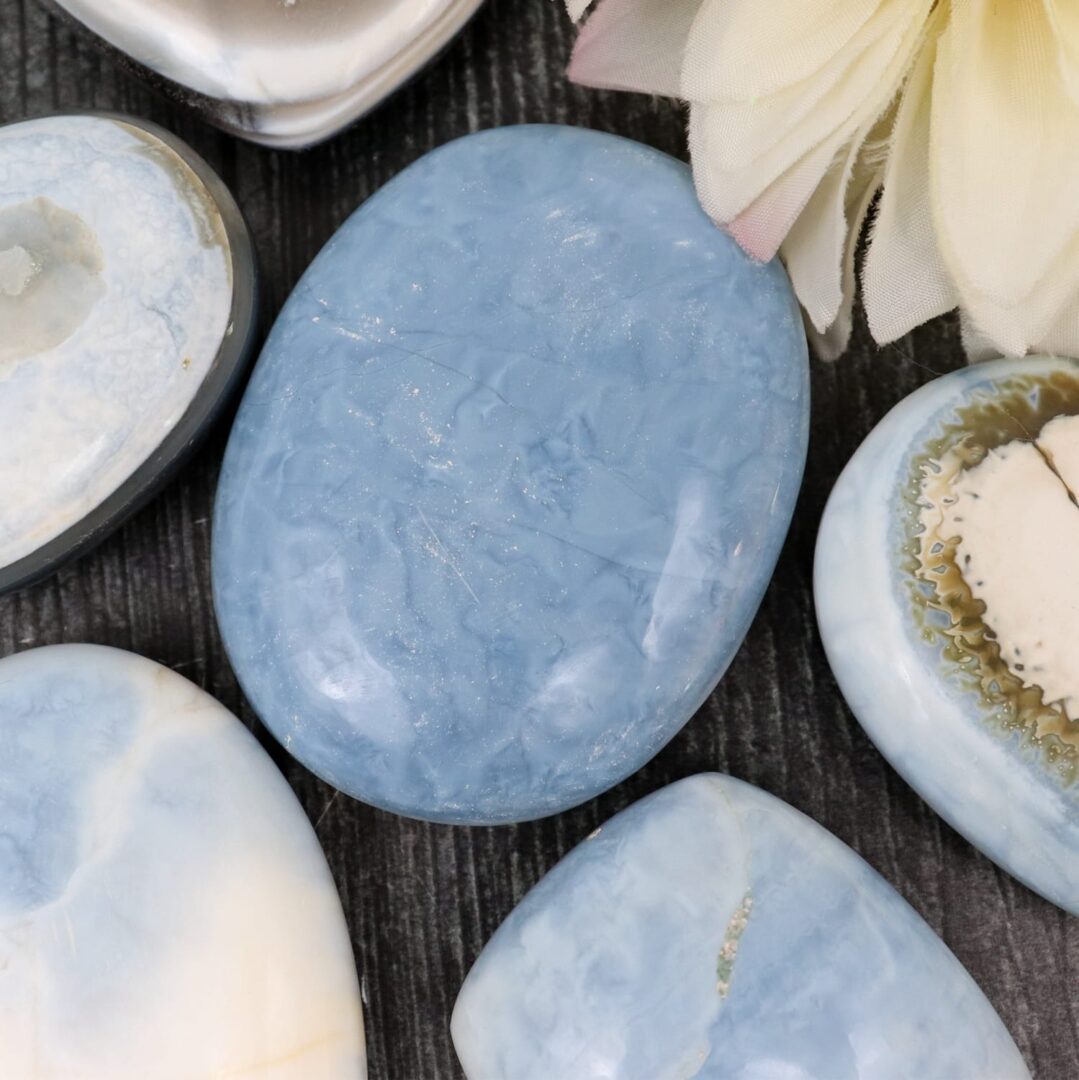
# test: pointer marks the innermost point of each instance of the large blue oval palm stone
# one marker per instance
(510, 479)
(711, 931)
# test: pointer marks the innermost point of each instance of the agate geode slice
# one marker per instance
(949, 607)
(279, 72)
(127, 308)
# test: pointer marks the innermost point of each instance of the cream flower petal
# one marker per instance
(985, 325)
(746, 49)
(1004, 133)
(987, 341)
(820, 249)
(1042, 321)
(1064, 17)
(832, 343)
(634, 45)
(976, 345)
(904, 279)
(762, 226)
(1062, 339)
(816, 247)
(859, 97)
(746, 130)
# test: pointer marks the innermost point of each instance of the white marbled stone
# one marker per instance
(115, 296)
(711, 932)
(1001, 790)
(165, 909)
(285, 72)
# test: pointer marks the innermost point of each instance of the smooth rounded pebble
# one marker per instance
(711, 932)
(949, 607)
(510, 478)
(279, 72)
(165, 908)
(126, 312)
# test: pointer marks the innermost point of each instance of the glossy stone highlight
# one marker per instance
(510, 478)
(948, 605)
(279, 72)
(711, 931)
(165, 909)
(126, 308)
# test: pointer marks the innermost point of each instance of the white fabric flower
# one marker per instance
(963, 113)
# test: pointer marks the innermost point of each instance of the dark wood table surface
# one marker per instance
(421, 899)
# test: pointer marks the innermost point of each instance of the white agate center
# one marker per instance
(17, 269)
(1017, 522)
(115, 297)
(50, 276)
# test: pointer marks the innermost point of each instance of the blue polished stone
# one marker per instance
(165, 908)
(510, 479)
(999, 762)
(711, 931)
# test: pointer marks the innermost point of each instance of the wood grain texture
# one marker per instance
(422, 899)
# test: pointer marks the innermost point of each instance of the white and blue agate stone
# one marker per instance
(165, 908)
(127, 309)
(711, 931)
(948, 605)
(285, 73)
(510, 478)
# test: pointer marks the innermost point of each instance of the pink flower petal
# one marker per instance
(634, 45)
(764, 224)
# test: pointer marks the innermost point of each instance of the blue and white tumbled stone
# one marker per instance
(709, 932)
(165, 909)
(126, 304)
(510, 478)
(949, 607)
(279, 72)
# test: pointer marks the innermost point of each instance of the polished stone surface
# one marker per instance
(949, 607)
(777, 715)
(126, 302)
(510, 478)
(711, 931)
(165, 908)
(280, 72)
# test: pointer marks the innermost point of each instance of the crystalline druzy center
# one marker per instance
(17, 268)
(50, 276)
(1015, 524)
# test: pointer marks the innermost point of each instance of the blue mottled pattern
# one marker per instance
(510, 479)
(713, 932)
(991, 786)
(44, 767)
(165, 909)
